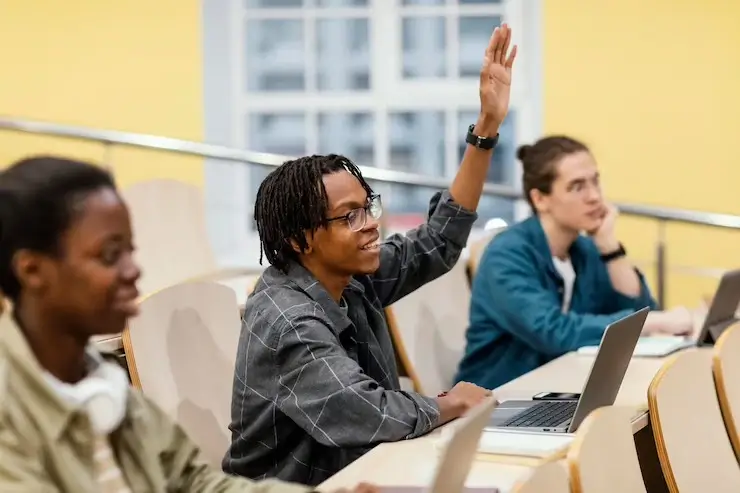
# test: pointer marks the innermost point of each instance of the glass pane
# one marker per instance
(278, 133)
(343, 54)
(423, 2)
(350, 134)
(275, 55)
(475, 32)
(274, 3)
(424, 47)
(503, 163)
(417, 145)
(479, 2)
(341, 3)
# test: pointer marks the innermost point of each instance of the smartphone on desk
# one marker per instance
(556, 396)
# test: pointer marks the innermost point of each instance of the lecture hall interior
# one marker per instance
(370, 245)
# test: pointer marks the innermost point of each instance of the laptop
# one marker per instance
(565, 413)
(457, 456)
(720, 316)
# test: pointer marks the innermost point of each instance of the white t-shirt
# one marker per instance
(566, 271)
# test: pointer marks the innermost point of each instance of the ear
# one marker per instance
(309, 242)
(540, 200)
(29, 268)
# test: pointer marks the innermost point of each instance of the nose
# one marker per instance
(593, 194)
(371, 223)
(130, 271)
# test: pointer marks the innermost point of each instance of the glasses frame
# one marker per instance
(374, 207)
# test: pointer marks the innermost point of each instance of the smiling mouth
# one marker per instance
(371, 246)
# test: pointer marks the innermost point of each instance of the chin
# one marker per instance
(369, 268)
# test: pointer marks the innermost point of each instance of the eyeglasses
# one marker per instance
(357, 218)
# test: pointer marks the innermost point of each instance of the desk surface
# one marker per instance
(412, 462)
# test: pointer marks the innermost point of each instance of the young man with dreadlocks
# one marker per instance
(315, 384)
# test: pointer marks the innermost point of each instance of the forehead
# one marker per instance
(344, 191)
(99, 216)
(576, 166)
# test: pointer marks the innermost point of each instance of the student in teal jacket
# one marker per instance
(552, 283)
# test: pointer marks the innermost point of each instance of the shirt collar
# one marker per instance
(52, 413)
(306, 281)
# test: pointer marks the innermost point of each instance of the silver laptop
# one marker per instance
(457, 456)
(565, 414)
(721, 315)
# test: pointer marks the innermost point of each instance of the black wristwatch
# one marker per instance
(618, 253)
(485, 143)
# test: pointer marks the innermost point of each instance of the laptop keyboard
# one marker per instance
(545, 413)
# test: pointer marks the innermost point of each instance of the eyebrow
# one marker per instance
(350, 204)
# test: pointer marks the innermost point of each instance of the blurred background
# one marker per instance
(650, 85)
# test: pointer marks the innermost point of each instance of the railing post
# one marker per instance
(660, 263)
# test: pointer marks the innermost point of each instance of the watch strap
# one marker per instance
(618, 253)
(485, 143)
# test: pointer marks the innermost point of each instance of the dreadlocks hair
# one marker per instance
(292, 201)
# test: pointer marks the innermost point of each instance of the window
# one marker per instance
(392, 84)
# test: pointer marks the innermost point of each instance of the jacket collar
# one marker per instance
(306, 282)
(49, 410)
(536, 234)
(52, 413)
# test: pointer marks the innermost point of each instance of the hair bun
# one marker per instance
(523, 152)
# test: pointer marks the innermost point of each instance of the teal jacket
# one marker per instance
(516, 319)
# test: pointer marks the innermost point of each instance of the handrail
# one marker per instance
(223, 153)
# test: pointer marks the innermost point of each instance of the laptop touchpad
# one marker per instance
(507, 410)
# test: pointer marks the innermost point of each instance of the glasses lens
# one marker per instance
(356, 219)
(376, 207)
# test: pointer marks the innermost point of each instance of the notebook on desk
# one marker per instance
(721, 315)
(457, 456)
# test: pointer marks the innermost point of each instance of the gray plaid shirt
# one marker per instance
(315, 388)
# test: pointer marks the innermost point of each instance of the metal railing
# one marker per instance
(110, 138)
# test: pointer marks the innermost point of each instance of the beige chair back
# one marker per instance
(726, 369)
(603, 457)
(170, 232)
(428, 328)
(550, 477)
(475, 252)
(181, 352)
(690, 436)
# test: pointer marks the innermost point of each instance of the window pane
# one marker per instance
(343, 54)
(274, 3)
(278, 133)
(341, 3)
(417, 145)
(475, 32)
(490, 2)
(350, 134)
(423, 2)
(502, 170)
(503, 163)
(275, 55)
(424, 47)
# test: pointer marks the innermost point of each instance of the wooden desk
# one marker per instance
(411, 462)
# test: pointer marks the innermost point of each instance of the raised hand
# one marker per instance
(495, 75)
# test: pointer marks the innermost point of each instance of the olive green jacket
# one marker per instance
(47, 446)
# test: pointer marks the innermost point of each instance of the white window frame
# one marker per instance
(389, 92)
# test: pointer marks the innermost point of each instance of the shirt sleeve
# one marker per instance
(328, 395)
(534, 314)
(409, 261)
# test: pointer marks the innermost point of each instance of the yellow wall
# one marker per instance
(652, 86)
(133, 65)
